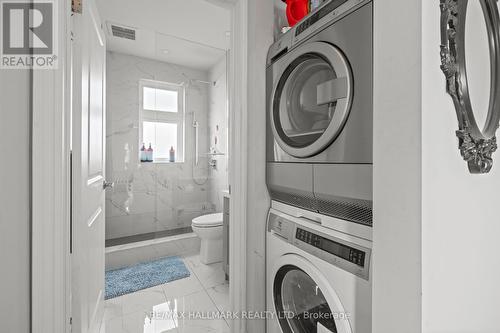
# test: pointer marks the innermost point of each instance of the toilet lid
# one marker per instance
(211, 220)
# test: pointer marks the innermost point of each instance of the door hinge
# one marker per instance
(76, 6)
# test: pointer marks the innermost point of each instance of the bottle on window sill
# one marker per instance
(172, 155)
(149, 154)
(143, 156)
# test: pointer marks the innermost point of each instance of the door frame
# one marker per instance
(51, 193)
(238, 157)
(50, 280)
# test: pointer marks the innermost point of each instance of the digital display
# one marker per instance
(322, 12)
(340, 250)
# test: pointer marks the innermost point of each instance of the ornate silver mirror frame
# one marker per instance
(476, 145)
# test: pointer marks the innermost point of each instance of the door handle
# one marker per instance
(106, 185)
(331, 91)
(316, 219)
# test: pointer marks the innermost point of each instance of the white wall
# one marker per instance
(260, 37)
(397, 167)
(218, 132)
(436, 227)
(15, 199)
(460, 219)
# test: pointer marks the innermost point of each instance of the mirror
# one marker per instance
(477, 62)
(470, 60)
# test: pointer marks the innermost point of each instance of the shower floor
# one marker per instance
(147, 236)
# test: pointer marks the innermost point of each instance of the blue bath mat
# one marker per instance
(144, 275)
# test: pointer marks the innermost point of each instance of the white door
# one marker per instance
(88, 169)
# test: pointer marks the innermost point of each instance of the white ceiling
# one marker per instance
(191, 33)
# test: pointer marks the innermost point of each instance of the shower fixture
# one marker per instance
(212, 83)
(195, 125)
(196, 152)
(212, 156)
(191, 81)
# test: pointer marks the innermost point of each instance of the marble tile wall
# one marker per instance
(150, 197)
(218, 131)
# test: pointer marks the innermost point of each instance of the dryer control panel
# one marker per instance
(329, 12)
(318, 15)
(346, 255)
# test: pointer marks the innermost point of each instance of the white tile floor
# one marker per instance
(153, 310)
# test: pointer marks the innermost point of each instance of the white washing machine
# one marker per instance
(318, 279)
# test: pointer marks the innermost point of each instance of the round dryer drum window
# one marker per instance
(312, 99)
(300, 304)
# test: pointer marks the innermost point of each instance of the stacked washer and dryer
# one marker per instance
(319, 172)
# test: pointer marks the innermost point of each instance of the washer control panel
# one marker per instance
(346, 255)
(340, 250)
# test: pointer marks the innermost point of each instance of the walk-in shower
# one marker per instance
(159, 198)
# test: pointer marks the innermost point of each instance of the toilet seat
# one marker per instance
(208, 221)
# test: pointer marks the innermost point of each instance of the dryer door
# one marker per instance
(304, 301)
(311, 99)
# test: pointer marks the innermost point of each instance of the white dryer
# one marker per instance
(320, 112)
(318, 279)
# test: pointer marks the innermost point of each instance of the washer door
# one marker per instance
(311, 99)
(304, 301)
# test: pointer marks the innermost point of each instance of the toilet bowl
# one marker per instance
(209, 229)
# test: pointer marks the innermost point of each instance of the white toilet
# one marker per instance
(209, 229)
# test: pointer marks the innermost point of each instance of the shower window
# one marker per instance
(157, 99)
(162, 119)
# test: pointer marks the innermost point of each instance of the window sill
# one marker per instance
(163, 162)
